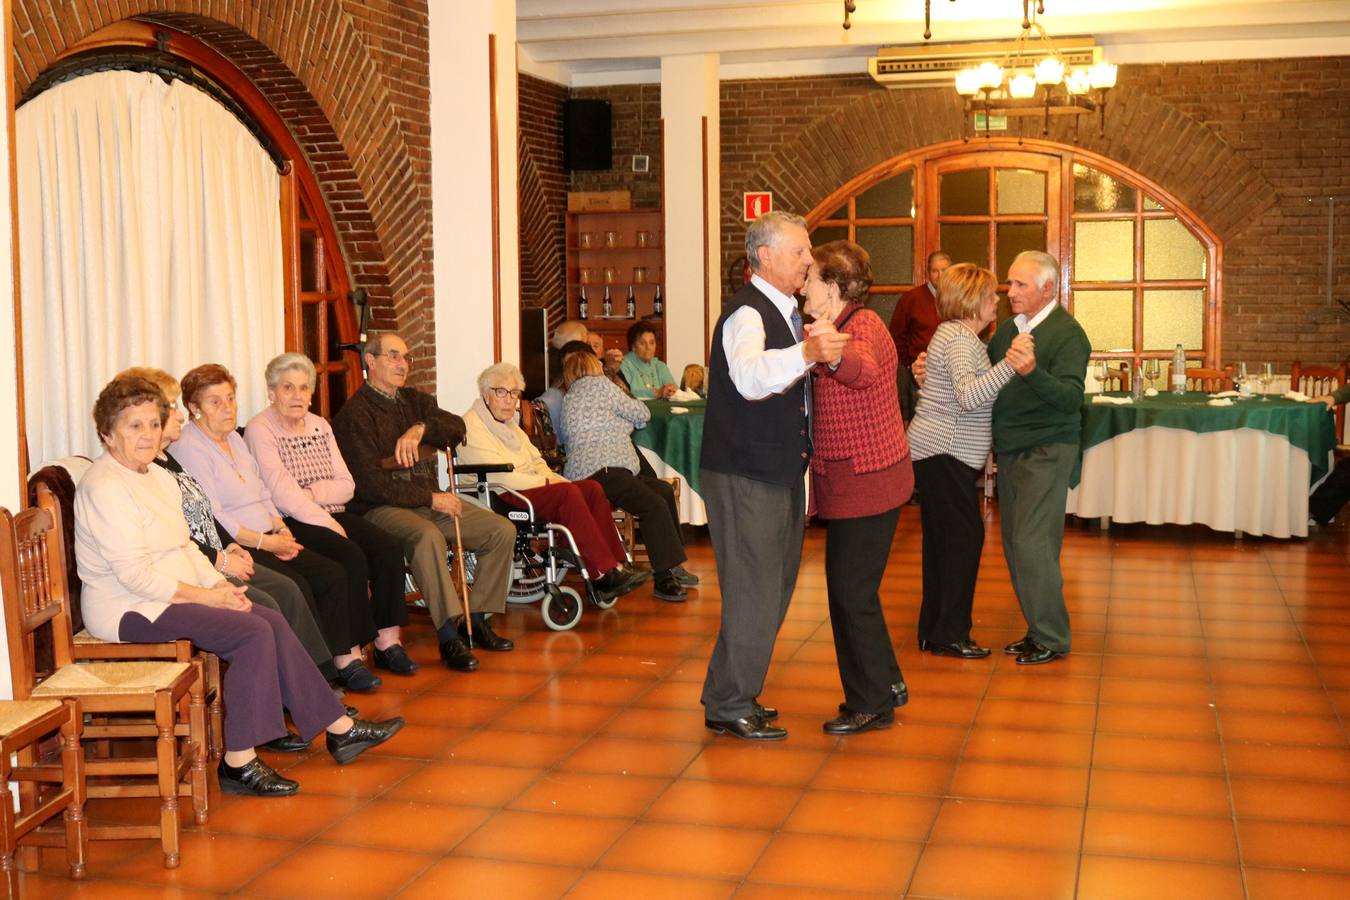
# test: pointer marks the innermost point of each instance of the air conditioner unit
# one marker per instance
(937, 64)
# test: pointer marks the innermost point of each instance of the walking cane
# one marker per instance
(459, 549)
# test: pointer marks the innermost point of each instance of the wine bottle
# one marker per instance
(583, 305)
(658, 307)
(630, 307)
(607, 305)
(1179, 370)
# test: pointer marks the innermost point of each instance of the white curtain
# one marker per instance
(149, 234)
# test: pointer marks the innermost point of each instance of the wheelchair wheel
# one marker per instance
(561, 607)
(529, 577)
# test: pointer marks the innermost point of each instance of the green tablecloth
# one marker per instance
(1308, 426)
(675, 437)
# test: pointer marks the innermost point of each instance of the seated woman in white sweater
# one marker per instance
(493, 435)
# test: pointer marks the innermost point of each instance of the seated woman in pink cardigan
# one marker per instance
(493, 435)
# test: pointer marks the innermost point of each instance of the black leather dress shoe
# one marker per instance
(635, 575)
(361, 737)
(962, 649)
(255, 778)
(290, 743)
(767, 713)
(1017, 648)
(684, 576)
(899, 697)
(850, 722)
(356, 677)
(485, 637)
(395, 660)
(616, 582)
(457, 655)
(668, 588)
(748, 728)
(1035, 655)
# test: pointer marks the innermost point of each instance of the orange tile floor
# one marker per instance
(1193, 745)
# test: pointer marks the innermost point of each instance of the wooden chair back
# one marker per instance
(32, 567)
(1318, 381)
(1199, 379)
(1117, 378)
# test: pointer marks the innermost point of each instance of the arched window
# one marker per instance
(1140, 271)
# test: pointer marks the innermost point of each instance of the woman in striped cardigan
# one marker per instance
(950, 438)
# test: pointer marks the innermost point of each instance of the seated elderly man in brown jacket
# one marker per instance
(385, 419)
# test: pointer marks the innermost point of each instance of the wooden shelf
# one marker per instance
(622, 258)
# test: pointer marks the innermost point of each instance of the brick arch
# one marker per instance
(363, 133)
(1143, 133)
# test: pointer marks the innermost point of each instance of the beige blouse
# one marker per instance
(482, 446)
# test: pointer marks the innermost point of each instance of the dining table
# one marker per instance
(672, 442)
(1247, 465)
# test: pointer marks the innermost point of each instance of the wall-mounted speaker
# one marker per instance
(588, 139)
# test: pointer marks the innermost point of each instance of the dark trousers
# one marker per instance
(1331, 494)
(652, 501)
(953, 536)
(268, 669)
(856, 551)
(581, 507)
(345, 624)
(276, 591)
(371, 557)
(907, 391)
(756, 531)
(1033, 490)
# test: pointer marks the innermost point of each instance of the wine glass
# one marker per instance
(1240, 379)
(1265, 378)
(1151, 372)
(1099, 374)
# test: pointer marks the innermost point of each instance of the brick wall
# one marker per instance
(350, 79)
(636, 112)
(543, 196)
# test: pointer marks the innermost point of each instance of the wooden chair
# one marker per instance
(23, 725)
(159, 700)
(1117, 378)
(1317, 381)
(47, 490)
(1210, 380)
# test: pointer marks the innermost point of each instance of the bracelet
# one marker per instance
(261, 535)
(221, 559)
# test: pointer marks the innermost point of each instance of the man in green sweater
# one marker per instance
(1036, 425)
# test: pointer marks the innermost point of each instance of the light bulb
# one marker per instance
(1103, 75)
(1078, 82)
(968, 82)
(1050, 71)
(1022, 85)
(991, 75)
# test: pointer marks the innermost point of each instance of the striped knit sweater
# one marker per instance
(957, 399)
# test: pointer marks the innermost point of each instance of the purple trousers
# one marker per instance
(269, 669)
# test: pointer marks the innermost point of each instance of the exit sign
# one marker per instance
(757, 203)
(996, 123)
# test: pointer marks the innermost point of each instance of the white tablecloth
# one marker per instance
(692, 511)
(1243, 480)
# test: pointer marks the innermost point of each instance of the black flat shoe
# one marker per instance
(395, 660)
(457, 655)
(748, 728)
(684, 576)
(255, 778)
(767, 713)
(485, 637)
(899, 697)
(290, 743)
(1017, 648)
(356, 677)
(1036, 655)
(850, 722)
(962, 649)
(635, 575)
(668, 588)
(361, 737)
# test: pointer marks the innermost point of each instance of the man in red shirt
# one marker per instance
(912, 326)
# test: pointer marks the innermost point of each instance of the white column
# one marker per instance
(461, 191)
(689, 94)
(11, 486)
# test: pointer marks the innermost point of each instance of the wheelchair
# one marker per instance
(544, 553)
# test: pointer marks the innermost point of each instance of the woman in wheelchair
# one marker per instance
(494, 436)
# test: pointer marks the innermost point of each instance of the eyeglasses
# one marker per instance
(395, 356)
(502, 393)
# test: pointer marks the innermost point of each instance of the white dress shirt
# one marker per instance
(1024, 324)
(757, 372)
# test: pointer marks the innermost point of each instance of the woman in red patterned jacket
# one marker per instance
(860, 477)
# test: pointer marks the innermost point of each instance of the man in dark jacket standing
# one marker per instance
(756, 444)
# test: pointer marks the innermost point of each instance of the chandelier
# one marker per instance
(1033, 79)
(851, 6)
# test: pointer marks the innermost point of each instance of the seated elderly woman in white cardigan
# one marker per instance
(493, 435)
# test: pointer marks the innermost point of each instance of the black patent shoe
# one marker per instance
(966, 649)
(289, 743)
(361, 737)
(851, 722)
(747, 728)
(485, 637)
(1017, 648)
(356, 677)
(395, 659)
(255, 778)
(667, 587)
(457, 655)
(1036, 655)
(767, 713)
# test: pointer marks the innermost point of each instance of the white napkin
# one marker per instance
(1114, 401)
(1222, 401)
(1298, 396)
(1150, 392)
(684, 396)
(678, 410)
(1222, 394)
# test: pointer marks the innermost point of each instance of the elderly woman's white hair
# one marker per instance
(289, 362)
(500, 372)
(571, 330)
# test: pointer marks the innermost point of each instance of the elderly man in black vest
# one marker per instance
(756, 444)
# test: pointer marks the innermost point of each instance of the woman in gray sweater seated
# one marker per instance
(598, 421)
(949, 440)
